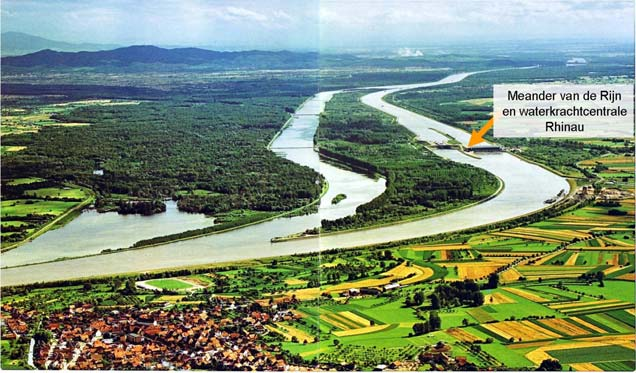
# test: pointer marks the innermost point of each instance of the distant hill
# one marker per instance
(18, 43)
(146, 54)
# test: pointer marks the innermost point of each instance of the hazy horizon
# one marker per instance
(319, 25)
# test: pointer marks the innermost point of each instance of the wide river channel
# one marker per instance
(526, 187)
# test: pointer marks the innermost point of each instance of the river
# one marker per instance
(526, 187)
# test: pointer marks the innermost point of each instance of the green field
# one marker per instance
(623, 290)
(24, 180)
(169, 284)
(593, 354)
(63, 192)
(23, 207)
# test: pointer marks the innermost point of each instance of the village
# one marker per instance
(225, 335)
(86, 338)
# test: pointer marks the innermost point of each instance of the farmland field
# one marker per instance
(170, 284)
(593, 354)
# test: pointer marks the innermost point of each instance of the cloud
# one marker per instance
(236, 13)
(313, 23)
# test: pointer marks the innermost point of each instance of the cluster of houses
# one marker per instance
(611, 194)
(225, 335)
(13, 327)
(354, 292)
(440, 358)
(603, 195)
(82, 337)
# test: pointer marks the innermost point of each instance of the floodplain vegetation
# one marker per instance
(419, 183)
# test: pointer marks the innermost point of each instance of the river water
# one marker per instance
(92, 232)
(526, 187)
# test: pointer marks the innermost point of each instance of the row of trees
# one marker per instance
(433, 323)
(457, 293)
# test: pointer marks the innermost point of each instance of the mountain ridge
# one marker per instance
(149, 54)
(19, 43)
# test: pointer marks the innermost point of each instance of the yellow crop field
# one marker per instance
(335, 322)
(462, 335)
(520, 330)
(305, 294)
(613, 269)
(421, 274)
(525, 294)
(588, 325)
(537, 234)
(585, 367)
(533, 272)
(542, 353)
(617, 242)
(497, 330)
(627, 276)
(474, 271)
(538, 329)
(607, 160)
(546, 258)
(289, 332)
(498, 298)
(168, 298)
(590, 306)
(355, 318)
(314, 352)
(510, 275)
(397, 273)
(561, 306)
(566, 221)
(365, 330)
(572, 259)
(477, 270)
(295, 281)
(527, 237)
(561, 234)
(614, 260)
(564, 327)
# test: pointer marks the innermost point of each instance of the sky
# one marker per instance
(317, 24)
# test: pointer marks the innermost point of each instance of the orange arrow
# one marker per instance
(477, 137)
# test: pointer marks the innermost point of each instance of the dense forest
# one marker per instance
(204, 150)
(418, 181)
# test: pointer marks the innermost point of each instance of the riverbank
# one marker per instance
(58, 222)
(559, 207)
(397, 222)
(115, 251)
